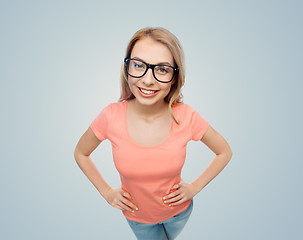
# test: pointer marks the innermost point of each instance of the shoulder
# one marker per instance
(114, 107)
(106, 115)
(187, 114)
(183, 109)
(116, 104)
(112, 110)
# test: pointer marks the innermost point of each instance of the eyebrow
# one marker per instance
(160, 63)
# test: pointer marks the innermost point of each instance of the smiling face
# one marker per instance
(147, 90)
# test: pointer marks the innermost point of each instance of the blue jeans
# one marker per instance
(166, 230)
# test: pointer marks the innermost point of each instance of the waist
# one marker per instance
(157, 214)
(148, 197)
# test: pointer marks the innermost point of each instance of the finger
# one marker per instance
(126, 207)
(127, 195)
(182, 200)
(174, 199)
(117, 206)
(129, 204)
(171, 195)
(176, 186)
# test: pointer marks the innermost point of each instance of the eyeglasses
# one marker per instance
(137, 68)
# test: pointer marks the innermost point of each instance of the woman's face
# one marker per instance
(147, 90)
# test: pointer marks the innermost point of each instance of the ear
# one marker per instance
(174, 80)
(126, 78)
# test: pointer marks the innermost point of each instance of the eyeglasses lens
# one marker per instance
(138, 69)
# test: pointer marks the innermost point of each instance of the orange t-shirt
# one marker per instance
(149, 172)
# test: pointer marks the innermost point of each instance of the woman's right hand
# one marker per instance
(120, 199)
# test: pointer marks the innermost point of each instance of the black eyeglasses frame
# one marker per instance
(152, 66)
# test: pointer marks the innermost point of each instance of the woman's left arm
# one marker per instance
(185, 191)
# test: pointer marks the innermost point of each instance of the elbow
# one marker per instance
(78, 158)
(226, 154)
(229, 154)
(77, 155)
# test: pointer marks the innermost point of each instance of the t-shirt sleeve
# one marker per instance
(100, 124)
(198, 125)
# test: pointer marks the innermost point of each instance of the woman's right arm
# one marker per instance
(115, 197)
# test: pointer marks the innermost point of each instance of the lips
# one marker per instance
(147, 92)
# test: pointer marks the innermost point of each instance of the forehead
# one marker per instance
(152, 51)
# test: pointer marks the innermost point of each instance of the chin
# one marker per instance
(148, 102)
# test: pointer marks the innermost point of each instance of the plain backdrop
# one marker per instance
(60, 65)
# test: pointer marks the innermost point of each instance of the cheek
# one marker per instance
(166, 87)
(131, 81)
(132, 85)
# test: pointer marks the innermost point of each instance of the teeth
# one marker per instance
(147, 91)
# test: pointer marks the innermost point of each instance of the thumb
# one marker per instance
(127, 195)
(176, 186)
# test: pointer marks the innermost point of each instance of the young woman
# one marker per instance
(149, 129)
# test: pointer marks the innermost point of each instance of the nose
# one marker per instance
(149, 78)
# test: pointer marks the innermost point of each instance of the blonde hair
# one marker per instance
(168, 39)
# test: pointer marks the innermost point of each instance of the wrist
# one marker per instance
(105, 192)
(196, 188)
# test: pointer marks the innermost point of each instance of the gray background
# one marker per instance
(60, 64)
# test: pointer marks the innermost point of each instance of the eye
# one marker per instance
(163, 69)
(137, 64)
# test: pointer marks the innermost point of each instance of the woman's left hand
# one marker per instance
(182, 192)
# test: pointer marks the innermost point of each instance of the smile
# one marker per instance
(147, 93)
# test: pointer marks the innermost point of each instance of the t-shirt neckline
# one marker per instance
(142, 146)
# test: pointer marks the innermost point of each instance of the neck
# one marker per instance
(150, 111)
